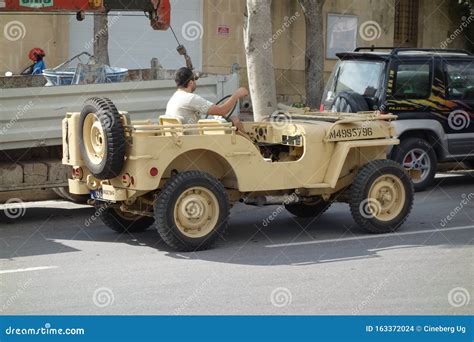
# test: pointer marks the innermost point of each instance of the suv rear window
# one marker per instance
(460, 79)
(413, 81)
(362, 77)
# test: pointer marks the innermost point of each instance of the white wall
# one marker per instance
(133, 43)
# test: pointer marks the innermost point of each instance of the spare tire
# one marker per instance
(349, 102)
(102, 138)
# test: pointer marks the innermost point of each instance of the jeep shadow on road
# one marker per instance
(283, 240)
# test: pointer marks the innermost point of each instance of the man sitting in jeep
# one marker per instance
(187, 106)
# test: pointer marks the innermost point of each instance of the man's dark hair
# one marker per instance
(183, 76)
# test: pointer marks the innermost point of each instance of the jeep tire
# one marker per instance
(381, 196)
(102, 138)
(192, 211)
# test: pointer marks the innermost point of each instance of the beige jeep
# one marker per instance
(183, 179)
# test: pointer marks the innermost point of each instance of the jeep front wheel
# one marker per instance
(417, 154)
(381, 196)
(192, 211)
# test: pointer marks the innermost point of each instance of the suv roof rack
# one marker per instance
(397, 50)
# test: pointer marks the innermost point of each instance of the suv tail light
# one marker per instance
(321, 107)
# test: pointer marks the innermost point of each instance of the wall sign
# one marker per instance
(223, 30)
(36, 3)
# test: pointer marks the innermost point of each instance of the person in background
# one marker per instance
(36, 55)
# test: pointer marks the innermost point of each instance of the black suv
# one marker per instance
(431, 91)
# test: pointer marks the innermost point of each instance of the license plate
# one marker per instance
(97, 195)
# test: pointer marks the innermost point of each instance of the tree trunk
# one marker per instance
(101, 38)
(258, 48)
(314, 60)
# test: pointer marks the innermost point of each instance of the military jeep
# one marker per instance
(183, 179)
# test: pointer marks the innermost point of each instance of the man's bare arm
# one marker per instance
(225, 108)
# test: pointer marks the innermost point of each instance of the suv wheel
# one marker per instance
(192, 211)
(381, 196)
(417, 154)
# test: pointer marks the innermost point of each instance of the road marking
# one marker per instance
(28, 269)
(375, 236)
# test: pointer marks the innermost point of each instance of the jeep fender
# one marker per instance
(367, 150)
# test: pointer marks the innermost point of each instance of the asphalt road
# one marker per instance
(52, 262)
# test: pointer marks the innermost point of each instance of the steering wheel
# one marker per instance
(227, 117)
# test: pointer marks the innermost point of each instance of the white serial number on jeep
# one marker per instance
(355, 132)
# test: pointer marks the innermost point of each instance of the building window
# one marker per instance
(406, 23)
(341, 34)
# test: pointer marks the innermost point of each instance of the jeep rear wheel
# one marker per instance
(123, 222)
(308, 209)
(102, 138)
(417, 154)
(192, 211)
(381, 196)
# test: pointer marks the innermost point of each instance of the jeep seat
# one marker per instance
(168, 121)
(208, 122)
